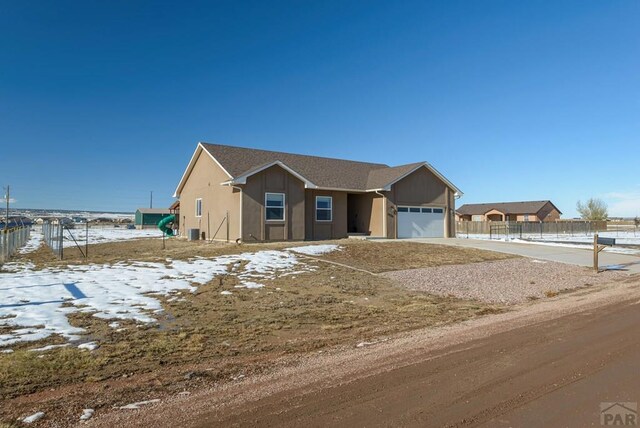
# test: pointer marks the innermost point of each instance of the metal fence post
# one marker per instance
(61, 239)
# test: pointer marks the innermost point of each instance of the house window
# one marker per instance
(403, 209)
(476, 218)
(526, 217)
(274, 206)
(427, 210)
(199, 207)
(324, 208)
(438, 210)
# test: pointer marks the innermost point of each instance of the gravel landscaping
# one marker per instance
(506, 281)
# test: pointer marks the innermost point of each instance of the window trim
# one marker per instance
(198, 200)
(330, 209)
(284, 206)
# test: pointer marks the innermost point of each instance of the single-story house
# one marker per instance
(258, 195)
(147, 218)
(509, 211)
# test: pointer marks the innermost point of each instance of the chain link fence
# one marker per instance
(11, 240)
(54, 236)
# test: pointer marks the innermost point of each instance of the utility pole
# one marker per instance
(151, 200)
(6, 225)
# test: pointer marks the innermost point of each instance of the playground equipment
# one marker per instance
(165, 225)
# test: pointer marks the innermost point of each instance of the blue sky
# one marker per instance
(101, 102)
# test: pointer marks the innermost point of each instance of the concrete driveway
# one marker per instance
(574, 256)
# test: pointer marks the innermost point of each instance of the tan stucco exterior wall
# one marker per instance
(335, 229)
(254, 225)
(365, 214)
(204, 182)
(421, 188)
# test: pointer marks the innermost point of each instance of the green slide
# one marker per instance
(164, 225)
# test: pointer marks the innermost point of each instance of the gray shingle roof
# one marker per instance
(524, 207)
(321, 171)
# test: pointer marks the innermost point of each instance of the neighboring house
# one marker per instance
(147, 218)
(257, 195)
(509, 211)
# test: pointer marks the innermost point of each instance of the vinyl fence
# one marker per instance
(571, 228)
(11, 240)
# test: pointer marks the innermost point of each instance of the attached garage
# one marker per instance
(420, 222)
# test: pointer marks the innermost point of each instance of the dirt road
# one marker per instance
(546, 365)
(551, 374)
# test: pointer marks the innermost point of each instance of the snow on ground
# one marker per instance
(100, 235)
(583, 241)
(35, 304)
(97, 235)
(35, 239)
(314, 250)
(33, 418)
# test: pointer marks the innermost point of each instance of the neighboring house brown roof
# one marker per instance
(317, 172)
(153, 210)
(524, 207)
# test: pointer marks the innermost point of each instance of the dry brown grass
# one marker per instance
(209, 338)
(400, 255)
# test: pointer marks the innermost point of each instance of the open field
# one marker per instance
(203, 337)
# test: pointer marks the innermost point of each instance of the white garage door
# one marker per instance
(420, 222)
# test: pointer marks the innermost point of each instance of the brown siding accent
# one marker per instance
(204, 182)
(421, 188)
(337, 228)
(548, 213)
(273, 180)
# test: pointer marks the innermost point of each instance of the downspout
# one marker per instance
(240, 219)
(456, 196)
(384, 214)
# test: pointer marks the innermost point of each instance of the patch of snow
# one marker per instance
(33, 418)
(6, 351)
(136, 406)
(249, 284)
(48, 348)
(363, 344)
(100, 235)
(34, 242)
(114, 324)
(537, 261)
(226, 293)
(314, 250)
(36, 303)
(87, 414)
(89, 346)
